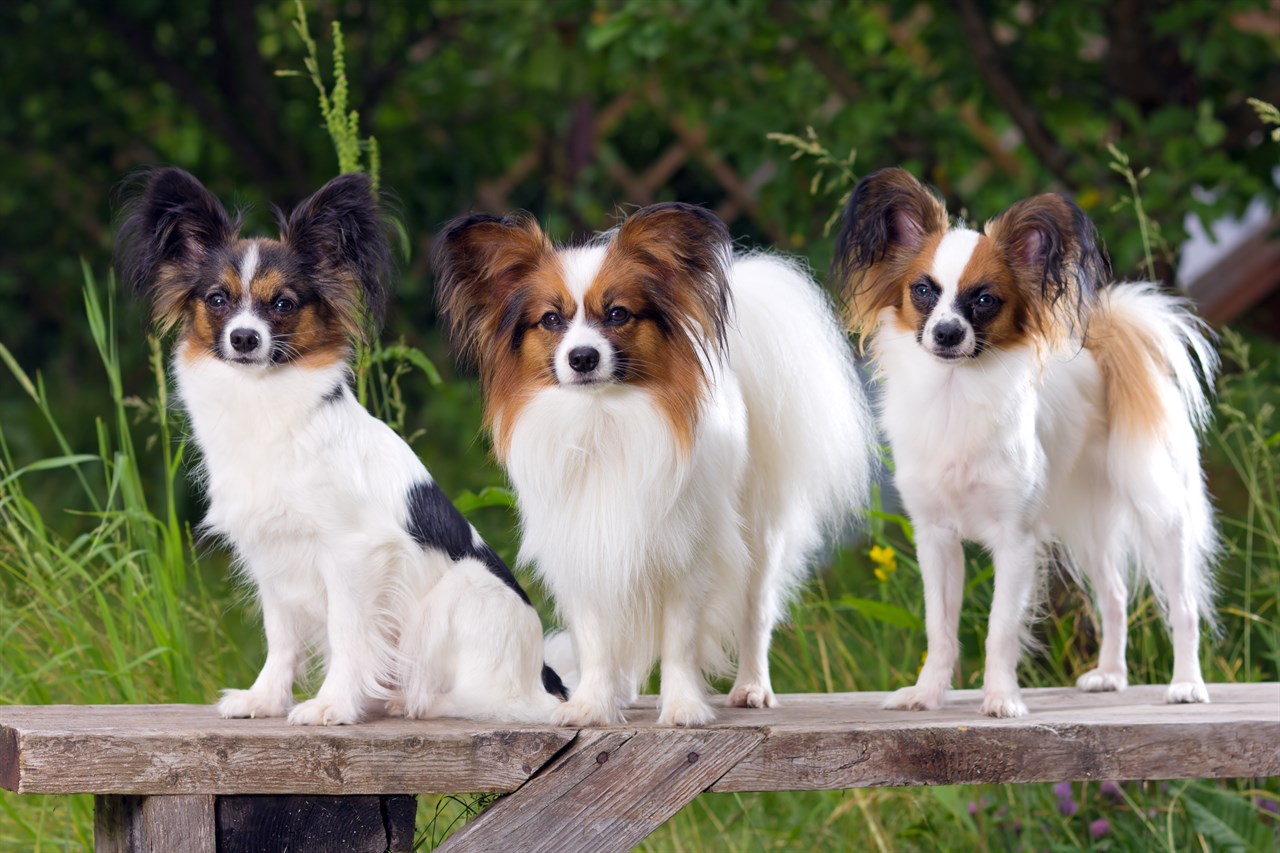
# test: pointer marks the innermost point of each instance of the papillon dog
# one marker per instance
(353, 549)
(1039, 410)
(681, 425)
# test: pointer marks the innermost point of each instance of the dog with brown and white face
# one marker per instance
(354, 551)
(680, 424)
(1032, 405)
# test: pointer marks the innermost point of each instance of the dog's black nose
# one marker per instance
(244, 340)
(584, 359)
(948, 334)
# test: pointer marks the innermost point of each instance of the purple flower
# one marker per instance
(973, 809)
(1017, 827)
(1112, 790)
(1068, 807)
(1099, 828)
(1267, 805)
(1063, 790)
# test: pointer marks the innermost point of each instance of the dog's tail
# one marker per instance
(560, 664)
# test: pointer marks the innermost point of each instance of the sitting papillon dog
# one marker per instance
(1036, 409)
(352, 547)
(681, 426)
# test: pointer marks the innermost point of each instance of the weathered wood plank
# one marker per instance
(160, 824)
(187, 749)
(810, 741)
(607, 792)
(358, 824)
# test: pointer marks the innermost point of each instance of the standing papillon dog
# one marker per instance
(352, 547)
(680, 425)
(1033, 409)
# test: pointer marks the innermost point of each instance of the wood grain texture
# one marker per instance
(607, 792)
(811, 741)
(160, 824)
(357, 824)
(188, 749)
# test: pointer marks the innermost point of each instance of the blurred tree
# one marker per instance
(574, 108)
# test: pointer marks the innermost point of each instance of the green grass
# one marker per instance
(108, 598)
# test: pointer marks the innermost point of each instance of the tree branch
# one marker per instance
(991, 65)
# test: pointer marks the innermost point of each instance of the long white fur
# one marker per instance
(1014, 450)
(311, 494)
(651, 553)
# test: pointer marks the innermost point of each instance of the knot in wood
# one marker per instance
(602, 758)
(693, 757)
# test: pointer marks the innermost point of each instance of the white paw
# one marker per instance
(1102, 681)
(241, 704)
(1003, 705)
(752, 696)
(1186, 691)
(395, 707)
(576, 713)
(323, 712)
(685, 711)
(915, 698)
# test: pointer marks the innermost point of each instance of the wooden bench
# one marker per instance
(175, 777)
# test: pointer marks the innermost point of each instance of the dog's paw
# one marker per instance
(247, 704)
(323, 712)
(1003, 705)
(752, 696)
(1181, 692)
(915, 698)
(1102, 681)
(685, 711)
(577, 713)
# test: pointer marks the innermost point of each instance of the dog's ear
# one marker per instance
(1052, 248)
(685, 253)
(167, 233)
(341, 240)
(480, 262)
(888, 219)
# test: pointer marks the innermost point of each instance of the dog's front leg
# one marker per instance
(941, 558)
(272, 693)
(605, 683)
(1015, 577)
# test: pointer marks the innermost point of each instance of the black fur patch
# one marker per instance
(434, 522)
(552, 683)
(335, 394)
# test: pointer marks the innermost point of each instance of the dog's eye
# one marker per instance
(987, 301)
(922, 290)
(552, 320)
(216, 301)
(283, 306)
(617, 316)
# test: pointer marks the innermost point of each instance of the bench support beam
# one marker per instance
(199, 823)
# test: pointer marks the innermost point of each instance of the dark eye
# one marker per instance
(617, 316)
(283, 305)
(216, 301)
(922, 290)
(552, 320)
(986, 300)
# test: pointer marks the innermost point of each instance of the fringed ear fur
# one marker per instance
(479, 262)
(1053, 249)
(889, 218)
(340, 238)
(167, 234)
(685, 252)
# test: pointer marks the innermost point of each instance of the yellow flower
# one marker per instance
(924, 657)
(1089, 199)
(885, 558)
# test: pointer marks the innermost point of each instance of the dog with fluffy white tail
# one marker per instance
(682, 426)
(352, 548)
(1036, 408)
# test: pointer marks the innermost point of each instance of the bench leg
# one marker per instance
(232, 824)
(606, 791)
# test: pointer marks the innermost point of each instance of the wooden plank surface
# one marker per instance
(812, 741)
(162, 824)
(607, 792)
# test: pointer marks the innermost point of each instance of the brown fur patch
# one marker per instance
(1131, 367)
(988, 271)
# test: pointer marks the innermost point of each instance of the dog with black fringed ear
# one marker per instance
(351, 546)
